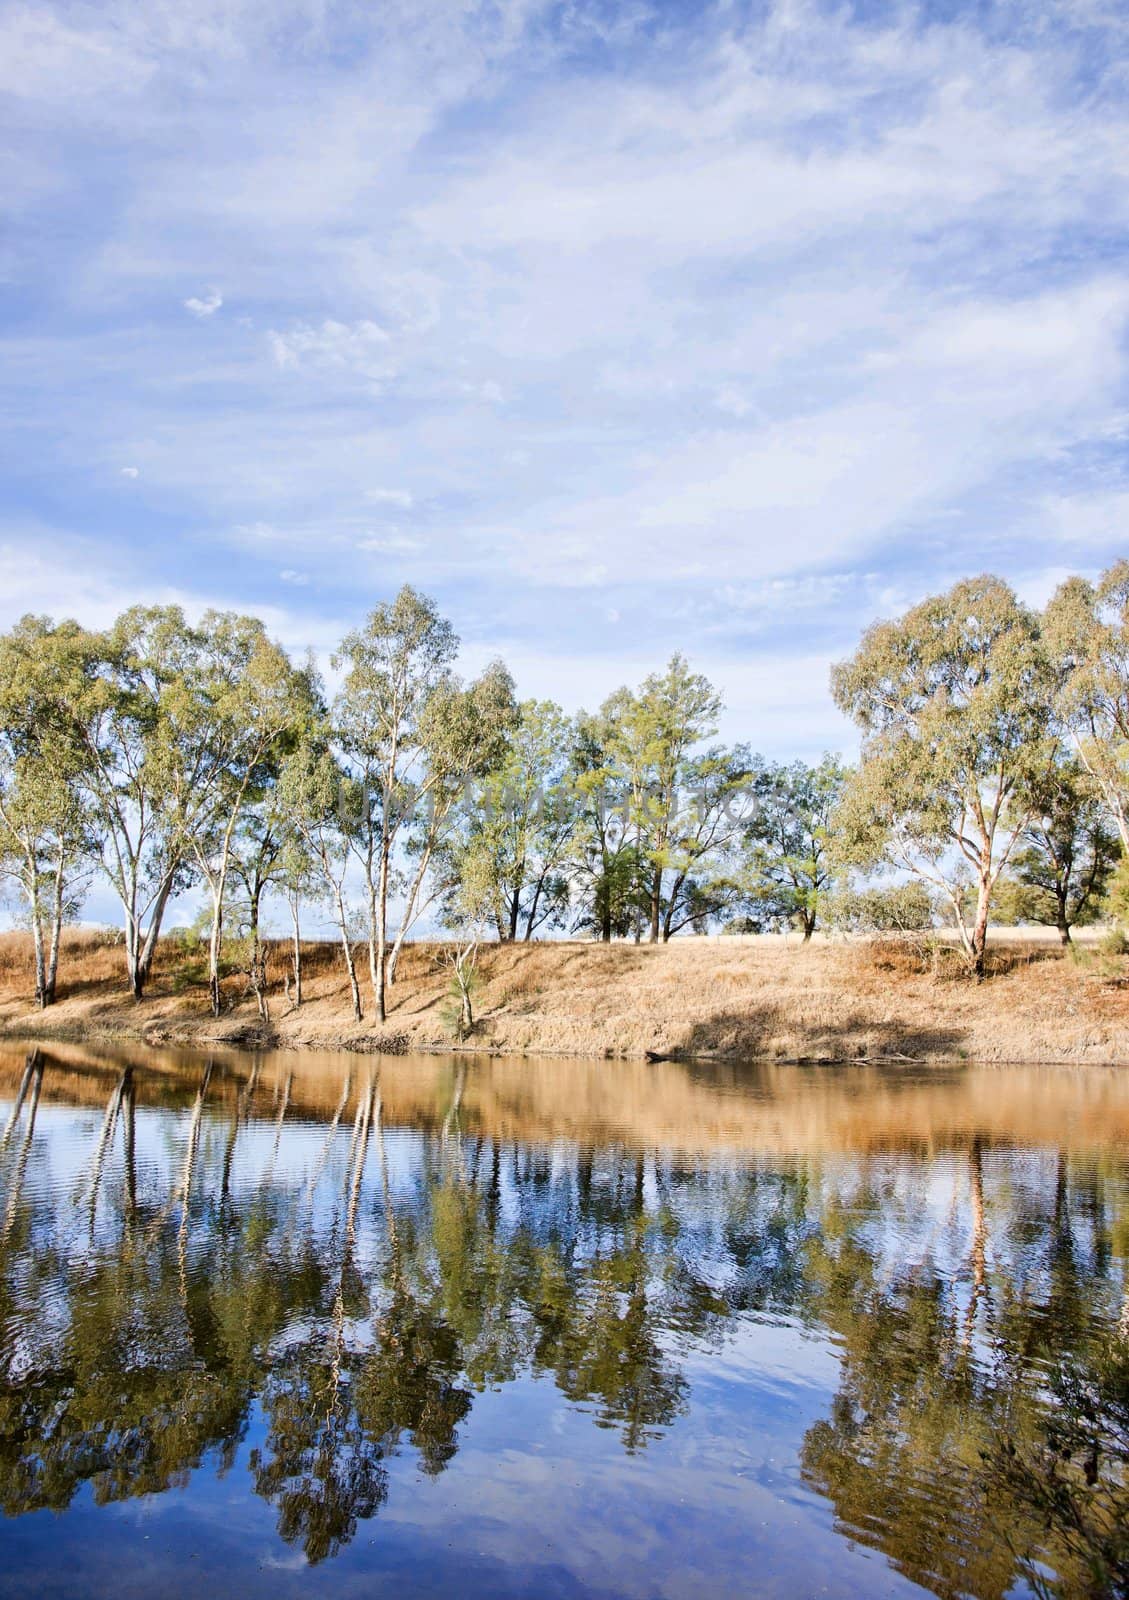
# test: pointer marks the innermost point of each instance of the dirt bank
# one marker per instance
(769, 1000)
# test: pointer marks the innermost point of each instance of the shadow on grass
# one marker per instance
(768, 1030)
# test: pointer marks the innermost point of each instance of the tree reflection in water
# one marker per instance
(221, 1266)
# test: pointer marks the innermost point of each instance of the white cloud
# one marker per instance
(489, 391)
(355, 347)
(1089, 521)
(785, 294)
(204, 306)
(130, 472)
(44, 58)
(389, 544)
(733, 403)
(392, 497)
(299, 579)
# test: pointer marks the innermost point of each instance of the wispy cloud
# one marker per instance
(652, 307)
(357, 347)
(402, 498)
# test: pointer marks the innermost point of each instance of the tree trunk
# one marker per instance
(672, 906)
(531, 919)
(656, 905)
(409, 916)
(297, 951)
(56, 936)
(980, 926)
(134, 976)
(142, 962)
(381, 934)
(1062, 920)
(214, 951)
(40, 959)
(350, 964)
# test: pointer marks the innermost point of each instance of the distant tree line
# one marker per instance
(167, 757)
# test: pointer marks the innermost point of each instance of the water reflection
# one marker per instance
(311, 1273)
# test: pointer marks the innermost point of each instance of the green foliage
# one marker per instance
(519, 824)
(47, 830)
(1065, 855)
(954, 701)
(456, 1009)
(410, 736)
(907, 907)
(167, 755)
(1087, 631)
(786, 866)
(660, 807)
(1116, 903)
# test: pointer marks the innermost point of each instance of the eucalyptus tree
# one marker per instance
(45, 832)
(468, 909)
(297, 876)
(253, 706)
(324, 808)
(609, 871)
(147, 762)
(520, 822)
(1066, 855)
(271, 853)
(408, 732)
(462, 736)
(1087, 630)
(394, 666)
(787, 838)
(256, 855)
(954, 703)
(653, 734)
(698, 883)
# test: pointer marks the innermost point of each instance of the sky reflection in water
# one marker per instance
(316, 1324)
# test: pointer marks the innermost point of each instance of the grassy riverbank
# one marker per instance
(766, 999)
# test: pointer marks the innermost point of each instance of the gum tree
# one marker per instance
(462, 736)
(407, 732)
(145, 752)
(45, 836)
(652, 734)
(1087, 631)
(954, 703)
(323, 807)
(1066, 855)
(697, 883)
(608, 870)
(788, 867)
(247, 705)
(519, 823)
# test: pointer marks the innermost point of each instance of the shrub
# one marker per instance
(893, 908)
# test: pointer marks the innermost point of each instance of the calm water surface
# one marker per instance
(312, 1325)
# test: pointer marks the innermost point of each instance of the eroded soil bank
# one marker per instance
(711, 998)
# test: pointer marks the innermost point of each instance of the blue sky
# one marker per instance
(619, 328)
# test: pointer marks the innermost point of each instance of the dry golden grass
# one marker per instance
(763, 1000)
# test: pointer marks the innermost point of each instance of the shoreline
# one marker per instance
(824, 1004)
